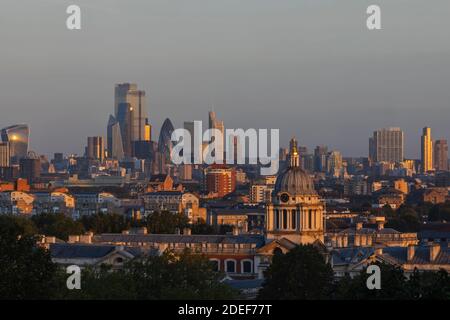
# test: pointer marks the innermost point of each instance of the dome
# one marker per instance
(294, 181)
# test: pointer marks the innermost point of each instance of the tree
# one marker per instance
(57, 225)
(105, 223)
(165, 222)
(302, 273)
(26, 271)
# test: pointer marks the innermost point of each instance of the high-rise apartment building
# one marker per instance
(5, 154)
(95, 148)
(18, 138)
(387, 145)
(220, 179)
(427, 150)
(441, 155)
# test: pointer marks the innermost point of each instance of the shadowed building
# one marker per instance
(441, 155)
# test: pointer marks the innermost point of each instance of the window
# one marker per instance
(285, 217)
(310, 218)
(118, 260)
(294, 219)
(246, 266)
(215, 264)
(277, 219)
(230, 266)
(277, 251)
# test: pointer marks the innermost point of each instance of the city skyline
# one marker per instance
(399, 75)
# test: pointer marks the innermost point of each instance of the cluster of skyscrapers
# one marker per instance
(129, 131)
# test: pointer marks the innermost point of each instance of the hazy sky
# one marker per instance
(308, 67)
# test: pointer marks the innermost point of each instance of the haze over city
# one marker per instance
(312, 70)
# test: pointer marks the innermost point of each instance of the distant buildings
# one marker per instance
(387, 145)
(426, 150)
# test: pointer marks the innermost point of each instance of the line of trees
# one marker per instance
(303, 274)
(27, 272)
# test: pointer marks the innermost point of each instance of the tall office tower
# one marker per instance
(5, 154)
(115, 145)
(95, 148)
(441, 155)
(320, 158)
(128, 93)
(214, 123)
(189, 126)
(165, 145)
(387, 145)
(125, 119)
(335, 163)
(18, 137)
(427, 150)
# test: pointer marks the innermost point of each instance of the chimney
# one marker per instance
(187, 231)
(86, 238)
(378, 251)
(73, 239)
(50, 239)
(177, 231)
(410, 252)
(235, 231)
(357, 240)
(380, 225)
(435, 248)
(142, 231)
(359, 225)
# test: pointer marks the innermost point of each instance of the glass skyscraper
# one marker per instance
(18, 138)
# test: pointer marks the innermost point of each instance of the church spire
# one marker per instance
(294, 157)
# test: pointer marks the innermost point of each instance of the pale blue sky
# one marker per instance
(307, 67)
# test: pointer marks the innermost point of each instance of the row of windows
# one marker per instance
(231, 265)
(282, 219)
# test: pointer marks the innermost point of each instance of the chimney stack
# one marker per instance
(435, 248)
(187, 231)
(359, 225)
(142, 231)
(235, 231)
(411, 252)
(380, 225)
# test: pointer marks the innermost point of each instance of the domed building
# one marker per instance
(296, 212)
